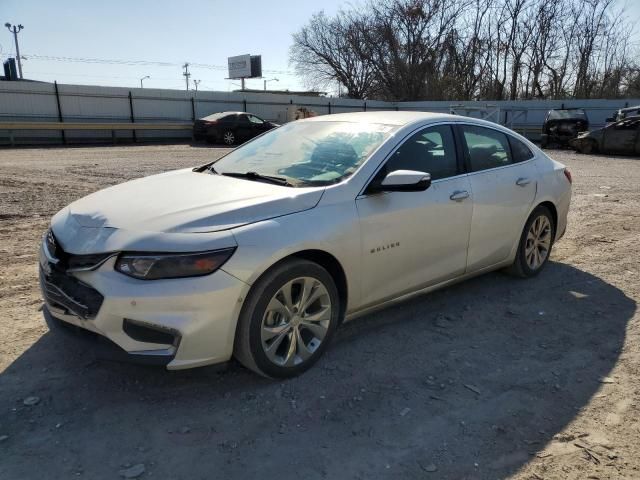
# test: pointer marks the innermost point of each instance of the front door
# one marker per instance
(503, 178)
(258, 126)
(414, 239)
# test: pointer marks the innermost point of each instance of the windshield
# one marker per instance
(577, 113)
(307, 153)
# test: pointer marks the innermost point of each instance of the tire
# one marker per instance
(524, 265)
(588, 147)
(268, 327)
(229, 137)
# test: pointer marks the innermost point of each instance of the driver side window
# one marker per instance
(431, 150)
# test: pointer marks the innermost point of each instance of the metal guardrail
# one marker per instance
(93, 126)
(113, 127)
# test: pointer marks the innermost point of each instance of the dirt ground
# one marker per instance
(494, 378)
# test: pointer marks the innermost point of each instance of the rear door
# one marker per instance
(503, 179)
(415, 239)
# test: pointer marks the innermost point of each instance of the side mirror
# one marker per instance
(403, 181)
(610, 119)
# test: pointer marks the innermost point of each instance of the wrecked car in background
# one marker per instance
(624, 113)
(620, 137)
(562, 125)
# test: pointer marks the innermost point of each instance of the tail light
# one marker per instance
(567, 174)
(210, 122)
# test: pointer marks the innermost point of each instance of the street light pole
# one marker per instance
(13, 29)
(143, 78)
(196, 83)
(269, 80)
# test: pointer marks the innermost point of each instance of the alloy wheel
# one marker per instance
(229, 138)
(538, 242)
(296, 321)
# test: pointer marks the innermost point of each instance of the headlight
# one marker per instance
(152, 266)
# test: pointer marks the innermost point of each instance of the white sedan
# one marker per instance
(262, 254)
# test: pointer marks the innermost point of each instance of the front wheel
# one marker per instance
(587, 147)
(288, 319)
(535, 244)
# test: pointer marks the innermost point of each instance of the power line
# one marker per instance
(138, 63)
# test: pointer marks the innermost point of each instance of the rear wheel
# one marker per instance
(535, 244)
(229, 138)
(288, 319)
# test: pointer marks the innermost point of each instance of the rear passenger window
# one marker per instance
(487, 148)
(431, 150)
(519, 150)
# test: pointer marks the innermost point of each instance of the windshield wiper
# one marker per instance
(257, 176)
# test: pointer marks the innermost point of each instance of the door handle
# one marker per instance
(459, 195)
(523, 181)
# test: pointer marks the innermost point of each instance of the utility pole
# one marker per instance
(13, 29)
(186, 74)
(196, 83)
(143, 78)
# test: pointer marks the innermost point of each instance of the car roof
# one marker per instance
(399, 118)
(221, 114)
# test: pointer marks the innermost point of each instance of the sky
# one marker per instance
(197, 31)
(175, 32)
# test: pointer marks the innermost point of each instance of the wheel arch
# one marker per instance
(554, 212)
(332, 265)
(327, 261)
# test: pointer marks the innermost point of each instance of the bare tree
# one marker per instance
(471, 49)
(325, 51)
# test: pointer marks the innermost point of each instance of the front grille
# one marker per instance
(71, 295)
(67, 261)
(64, 291)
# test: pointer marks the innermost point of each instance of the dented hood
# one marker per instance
(185, 201)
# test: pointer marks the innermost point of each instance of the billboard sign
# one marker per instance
(240, 66)
(245, 66)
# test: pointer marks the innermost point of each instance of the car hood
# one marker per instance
(593, 133)
(184, 201)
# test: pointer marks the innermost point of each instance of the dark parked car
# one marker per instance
(560, 126)
(230, 128)
(620, 137)
(624, 113)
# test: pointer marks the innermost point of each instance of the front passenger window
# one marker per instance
(431, 150)
(486, 148)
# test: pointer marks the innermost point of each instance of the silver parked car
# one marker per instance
(262, 254)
